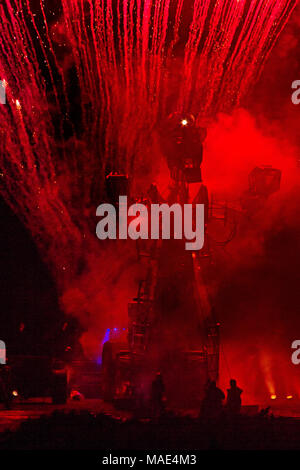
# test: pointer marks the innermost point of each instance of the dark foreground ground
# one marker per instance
(83, 429)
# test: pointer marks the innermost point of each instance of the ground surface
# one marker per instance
(94, 424)
(31, 409)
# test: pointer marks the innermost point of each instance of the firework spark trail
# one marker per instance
(247, 29)
(58, 67)
(43, 49)
(130, 57)
(28, 175)
(226, 46)
(251, 49)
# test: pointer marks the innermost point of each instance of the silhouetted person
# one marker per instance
(157, 394)
(264, 412)
(212, 404)
(234, 401)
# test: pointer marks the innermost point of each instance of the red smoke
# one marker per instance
(93, 86)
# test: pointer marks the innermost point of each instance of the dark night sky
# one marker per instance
(27, 293)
